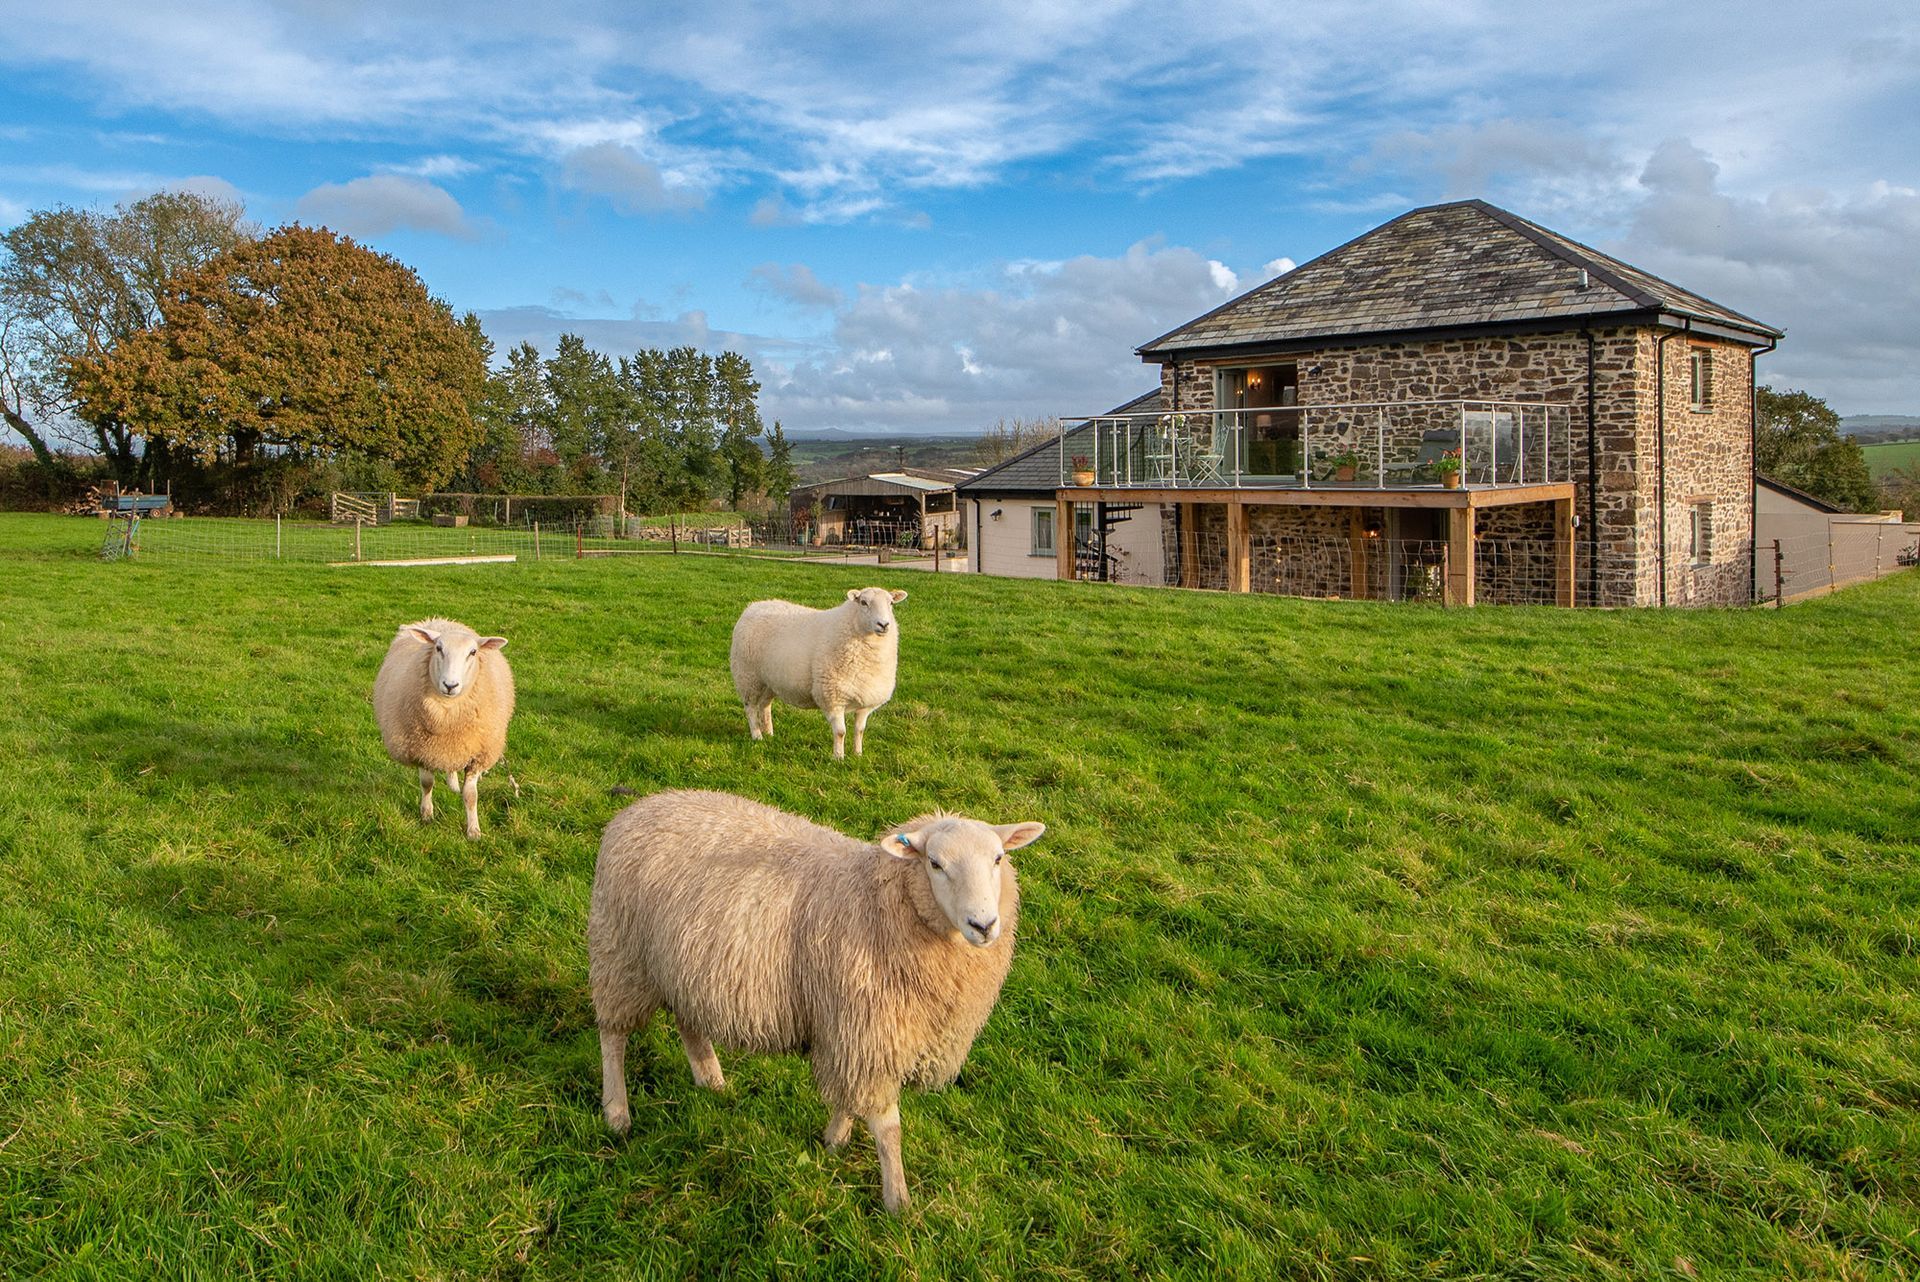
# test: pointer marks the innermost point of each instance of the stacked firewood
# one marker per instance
(91, 503)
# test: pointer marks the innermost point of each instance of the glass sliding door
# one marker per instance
(1267, 398)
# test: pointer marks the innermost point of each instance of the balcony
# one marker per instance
(1394, 446)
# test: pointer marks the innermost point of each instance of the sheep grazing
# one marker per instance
(443, 699)
(763, 932)
(839, 661)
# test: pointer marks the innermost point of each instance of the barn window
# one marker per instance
(1700, 395)
(1702, 547)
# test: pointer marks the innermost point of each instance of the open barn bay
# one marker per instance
(1364, 940)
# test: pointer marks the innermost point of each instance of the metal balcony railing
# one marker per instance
(1386, 445)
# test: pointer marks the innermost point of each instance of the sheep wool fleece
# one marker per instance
(418, 729)
(765, 932)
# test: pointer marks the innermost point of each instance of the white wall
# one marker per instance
(1005, 546)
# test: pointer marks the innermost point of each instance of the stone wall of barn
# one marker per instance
(1707, 451)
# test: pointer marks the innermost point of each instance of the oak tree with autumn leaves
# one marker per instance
(303, 343)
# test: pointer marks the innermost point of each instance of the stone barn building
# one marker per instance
(1459, 405)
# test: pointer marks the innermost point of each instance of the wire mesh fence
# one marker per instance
(1815, 562)
(579, 534)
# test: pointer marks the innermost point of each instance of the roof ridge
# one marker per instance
(1563, 249)
(1570, 250)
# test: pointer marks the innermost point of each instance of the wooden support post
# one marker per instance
(1460, 556)
(1563, 550)
(1063, 537)
(1239, 548)
(1357, 542)
(1189, 546)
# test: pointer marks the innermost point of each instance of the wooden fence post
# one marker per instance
(1779, 576)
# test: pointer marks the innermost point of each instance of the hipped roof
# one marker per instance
(1448, 267)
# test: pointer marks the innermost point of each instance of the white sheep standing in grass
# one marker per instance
(443, 699)
(758, 930)
(839, 660)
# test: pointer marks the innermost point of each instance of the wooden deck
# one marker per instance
(1460, 506)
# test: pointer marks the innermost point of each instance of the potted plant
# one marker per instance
(1082, 470)
(1448, 466)
(1346, 465)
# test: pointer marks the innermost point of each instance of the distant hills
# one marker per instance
(1881, 427)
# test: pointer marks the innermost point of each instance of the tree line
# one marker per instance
(171, 340)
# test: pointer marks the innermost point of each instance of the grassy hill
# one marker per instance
(829, 459)
(1365, 940)
(1883, 459)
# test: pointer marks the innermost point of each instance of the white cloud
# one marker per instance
(434, 167)
(1042, 338)
(382, 204)
(210, 186)
(1837, 271)
(1276, 267)
(626, 181)
(796, 284)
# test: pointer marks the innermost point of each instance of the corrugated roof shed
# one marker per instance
(1444, 267)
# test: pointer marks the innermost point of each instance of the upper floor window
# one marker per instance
(1700, 395)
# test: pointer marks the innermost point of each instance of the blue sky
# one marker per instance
(924, 218)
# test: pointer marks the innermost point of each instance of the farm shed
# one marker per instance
(907, 507)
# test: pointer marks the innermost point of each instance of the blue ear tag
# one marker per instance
(901, 837)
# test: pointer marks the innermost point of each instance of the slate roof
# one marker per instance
(1813, 501)
(1037, 469)
(1450, 266)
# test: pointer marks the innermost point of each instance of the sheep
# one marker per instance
(839, 660)
(443, 699)
(764, 932)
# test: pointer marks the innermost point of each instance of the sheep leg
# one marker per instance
(426, 794)
(453, 780)
(886, 1141)
(700, 1057)
(613, 1079)
(860, 729)
(839, 1129)
(470, 795)
(837, 718)
(759, 717)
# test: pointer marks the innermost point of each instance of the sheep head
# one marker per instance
(455, 658)
(964, 861)
(875, 608)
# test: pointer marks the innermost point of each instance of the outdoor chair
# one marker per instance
(1434, 442)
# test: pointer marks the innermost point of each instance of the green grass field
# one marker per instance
(1364, 941)
(1883, 459)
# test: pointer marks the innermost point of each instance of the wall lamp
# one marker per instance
(994, 515)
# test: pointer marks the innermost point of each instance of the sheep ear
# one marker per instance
(904, 845)
(493, 643)
(1014, 836)
(898, 597)
(425, 634)
(853, 594)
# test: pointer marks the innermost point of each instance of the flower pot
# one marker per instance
(1450, 479)
(1083, 476)
(1344, 472)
